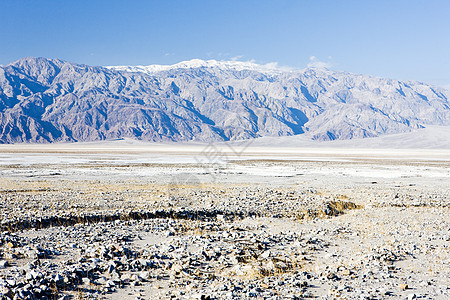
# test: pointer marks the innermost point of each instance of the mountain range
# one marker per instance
(51, 100)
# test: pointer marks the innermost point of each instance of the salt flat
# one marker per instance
(124, 219)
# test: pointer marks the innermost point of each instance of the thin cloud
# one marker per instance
(270, 65)
(314, 62)
(277, 66)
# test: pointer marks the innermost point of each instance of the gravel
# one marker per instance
(122, 239)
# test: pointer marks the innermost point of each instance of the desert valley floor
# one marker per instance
(125, 221)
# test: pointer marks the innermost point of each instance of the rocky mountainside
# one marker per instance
(50, 100)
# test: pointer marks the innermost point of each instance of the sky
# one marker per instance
(405, 40)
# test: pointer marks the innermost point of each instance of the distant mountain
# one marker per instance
(50, 100)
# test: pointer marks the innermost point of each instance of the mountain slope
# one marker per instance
(49, 100)
(431, 137)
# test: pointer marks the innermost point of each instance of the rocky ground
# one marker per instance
(247, 229)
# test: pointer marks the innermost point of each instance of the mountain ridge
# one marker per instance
(51, 100)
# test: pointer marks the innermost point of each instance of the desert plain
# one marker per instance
(125, 220)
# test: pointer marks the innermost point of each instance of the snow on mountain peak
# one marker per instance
(199, 63)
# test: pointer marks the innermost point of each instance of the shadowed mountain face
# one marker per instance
(49, 100)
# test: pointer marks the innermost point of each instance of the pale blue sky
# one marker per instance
(393, 38)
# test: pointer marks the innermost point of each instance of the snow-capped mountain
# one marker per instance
(198, 63)
(49, 100)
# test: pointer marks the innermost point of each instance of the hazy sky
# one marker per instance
(402, 39)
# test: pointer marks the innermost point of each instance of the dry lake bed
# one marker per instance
(135, 221)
